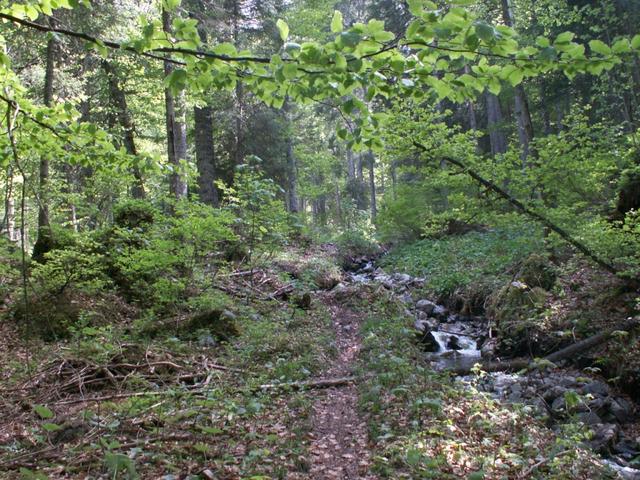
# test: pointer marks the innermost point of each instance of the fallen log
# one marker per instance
(562, 354)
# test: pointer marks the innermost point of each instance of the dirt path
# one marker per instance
(339, 436)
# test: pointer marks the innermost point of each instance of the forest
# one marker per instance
(319, 239)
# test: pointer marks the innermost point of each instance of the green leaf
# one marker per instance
(600, 47)
(564, 38)
(171, 5)
(283, 28)
(336, 22)
(51, 427)
(485, 32)
(635, 42)
(414, 457)
(290, 70)
(43, 412)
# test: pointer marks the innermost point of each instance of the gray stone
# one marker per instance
(589, 418)
(402, 278)
(554, 392)
(604, 438)
(558, 405)
(426, 306)
(596, 388)
(440, 312)
(621, 409)
(228, 315)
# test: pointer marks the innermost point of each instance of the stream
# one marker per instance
(452, 340)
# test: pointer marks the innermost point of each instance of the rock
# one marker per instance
(621, 409)
(569, 382)
(207, 341)
(429, 341)
(627, 449)
(420, 315)
(558, 405)
(596, 388)
(440, 312)
(589, 418)
(426, 306)
(368, 268)
(402, 278)
(453, 343)
(625, 473)
(406, 298)
(554, 393)
(488, 349)
(605, 438)
(426, 325)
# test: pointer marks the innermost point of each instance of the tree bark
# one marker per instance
(44, 239)
(372, 185)
(497, 138)
(205, 155)
(525, 125)
(119, 100)
(292, 167)
(176, 128)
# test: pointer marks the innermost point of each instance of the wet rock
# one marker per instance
(596, 388)
(558, 405)
(426, 306)
(429, 342)
(426, 325)
(453, 343)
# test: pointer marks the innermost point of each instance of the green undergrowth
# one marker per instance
(481, 261)
(423, 424)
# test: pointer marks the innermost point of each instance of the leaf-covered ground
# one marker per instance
(172, 408)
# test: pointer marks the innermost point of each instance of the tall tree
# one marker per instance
(44, 240)
(119, 100)
(176, 125)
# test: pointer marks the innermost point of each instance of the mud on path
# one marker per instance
(339, 436)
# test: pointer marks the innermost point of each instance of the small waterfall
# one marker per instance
(462, 345)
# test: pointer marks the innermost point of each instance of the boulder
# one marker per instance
(620, 409)
(426, 306)
(605, 437)
(440, 312)
(596, 388)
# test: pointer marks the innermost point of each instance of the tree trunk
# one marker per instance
(292, 167)
(525, 125)
(44, 240)
(205, 155)
(497, 138)
(176, 128)
(119, 100)
(372, 185)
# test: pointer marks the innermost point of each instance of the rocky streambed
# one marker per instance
(556, 394)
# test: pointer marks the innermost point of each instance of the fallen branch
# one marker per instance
(562, 354)
(315, 384)
(529, 212)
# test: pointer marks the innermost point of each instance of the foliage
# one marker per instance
(478, 260)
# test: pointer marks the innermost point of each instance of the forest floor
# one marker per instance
(109, 404)
(340, 443)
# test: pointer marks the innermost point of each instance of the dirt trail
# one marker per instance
(339, 436)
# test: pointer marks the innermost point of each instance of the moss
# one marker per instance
(537, 271)
(516, 310)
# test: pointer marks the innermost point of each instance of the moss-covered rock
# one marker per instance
(516, 309)
(537, 272)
